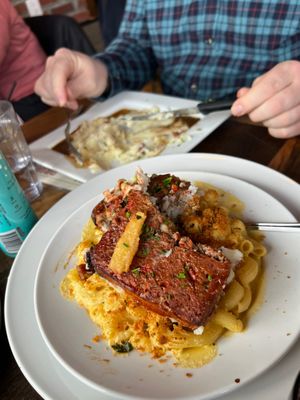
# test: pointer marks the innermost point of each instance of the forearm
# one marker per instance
(129, 58)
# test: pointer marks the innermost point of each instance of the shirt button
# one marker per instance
(194, 87)
(209, 41)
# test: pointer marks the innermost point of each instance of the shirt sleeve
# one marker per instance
(4, 30)
(129, 58)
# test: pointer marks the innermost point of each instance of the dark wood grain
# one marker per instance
(238, 138)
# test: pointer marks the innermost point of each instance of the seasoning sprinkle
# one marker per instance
(167, 181)
(181, 275)
(144, 252)
(136, 271)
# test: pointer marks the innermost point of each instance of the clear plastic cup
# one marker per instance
(16, 151)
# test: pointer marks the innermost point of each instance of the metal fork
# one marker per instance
(72, 149)
(275, 226)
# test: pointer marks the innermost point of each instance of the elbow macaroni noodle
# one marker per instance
(122, 320)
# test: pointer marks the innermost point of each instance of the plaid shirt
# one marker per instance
(203, 49)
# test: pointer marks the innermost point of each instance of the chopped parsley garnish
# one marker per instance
(167, 181)
(181, 275)
(125, 244)
(149, 233)
(144, 252)
(209, 278)
(123, 347)
(136, 271)
(163, 251)
(128, 214)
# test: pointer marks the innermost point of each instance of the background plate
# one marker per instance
(42, 148)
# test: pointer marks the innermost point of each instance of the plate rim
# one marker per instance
(22, 358)
(106, 390)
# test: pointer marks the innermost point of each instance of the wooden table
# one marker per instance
(235, 137)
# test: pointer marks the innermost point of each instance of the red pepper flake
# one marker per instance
(162, 360)
(189, 375)
(237, 380)
(174, 188)
(96, 339)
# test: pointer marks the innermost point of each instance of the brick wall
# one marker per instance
(81, 10)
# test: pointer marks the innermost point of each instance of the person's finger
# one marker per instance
(48, 101)
(258, 79)
(241, 92)
(285, 133)
(287, 99)
(72, 104)
(271, 83)
(61, 72)
(284, 119)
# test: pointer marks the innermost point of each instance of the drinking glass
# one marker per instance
(16, 151)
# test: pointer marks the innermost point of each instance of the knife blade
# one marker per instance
(203, 108)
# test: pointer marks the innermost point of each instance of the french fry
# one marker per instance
(128, 244)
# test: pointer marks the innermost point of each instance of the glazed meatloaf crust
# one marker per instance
(169, 274)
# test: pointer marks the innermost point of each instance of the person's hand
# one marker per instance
(70, 75)
(273, 100)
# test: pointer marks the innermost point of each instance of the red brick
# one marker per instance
(82, 16)
(83, 4)
(63, 9)
(46, 2)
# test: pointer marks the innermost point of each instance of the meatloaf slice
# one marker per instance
(169, 274)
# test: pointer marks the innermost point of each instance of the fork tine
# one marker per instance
(72, 149)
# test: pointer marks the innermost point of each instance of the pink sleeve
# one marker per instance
(5, 21)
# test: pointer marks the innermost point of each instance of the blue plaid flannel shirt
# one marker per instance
(203, 49)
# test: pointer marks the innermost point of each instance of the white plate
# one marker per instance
(46, 375)
(42, 149)
(268, 333)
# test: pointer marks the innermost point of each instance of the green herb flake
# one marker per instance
(125, 244)
(167, 181)
(144, 252)
(149, 232)
(136, 271)
(209, 278)
(128, 214)
(123, 347)
(181, 275)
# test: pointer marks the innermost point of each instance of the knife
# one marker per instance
(203, 108)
